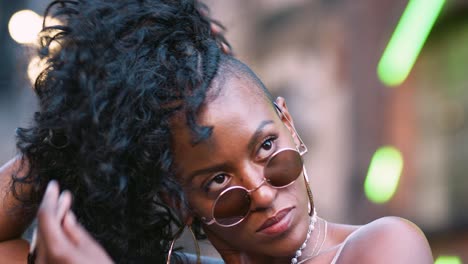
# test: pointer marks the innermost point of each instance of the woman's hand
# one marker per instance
(59, 238)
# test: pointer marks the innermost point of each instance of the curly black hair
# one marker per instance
(116, 71)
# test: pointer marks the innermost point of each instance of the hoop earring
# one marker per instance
(57, 140)
(302, 148)
(177, 235)
(309, 192)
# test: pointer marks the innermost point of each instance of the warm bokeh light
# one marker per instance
(35, 66)
(448, 260)
(407, 40)
(24, 26)
(384, 174)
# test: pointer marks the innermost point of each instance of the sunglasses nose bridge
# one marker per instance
(254, 192)
(264, 180)
(252, 175)
(262, 197)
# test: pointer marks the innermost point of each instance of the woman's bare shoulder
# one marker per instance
(387, 240)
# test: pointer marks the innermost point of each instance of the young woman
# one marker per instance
(150, 125)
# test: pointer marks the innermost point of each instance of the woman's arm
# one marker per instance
(12, 225)
(14, 251)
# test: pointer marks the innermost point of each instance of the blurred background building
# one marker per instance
(374, 149)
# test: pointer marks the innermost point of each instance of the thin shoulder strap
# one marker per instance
(338, 253)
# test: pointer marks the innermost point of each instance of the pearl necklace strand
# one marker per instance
(313, 220)
(315, 253)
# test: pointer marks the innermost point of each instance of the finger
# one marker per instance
(64, 204)
(52, 244)
(47, 253)
(49, 200)
(85, 242)
(75, 231)
(40, 251)
(50, 236)
(46, 211)
(71, 228)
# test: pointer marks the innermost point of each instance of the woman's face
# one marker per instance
(246, 131)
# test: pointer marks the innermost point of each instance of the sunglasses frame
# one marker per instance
(264, 180)
(302, 148)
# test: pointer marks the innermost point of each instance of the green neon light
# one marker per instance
(448, 260)
(407, 40)
(384, 174)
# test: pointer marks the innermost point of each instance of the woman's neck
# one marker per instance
(312, 249)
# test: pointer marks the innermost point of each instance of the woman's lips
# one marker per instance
(279, 223)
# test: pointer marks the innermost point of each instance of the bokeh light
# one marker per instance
(407, 40)
(384, 174)
(35, 66)
(448, 260)
(24, 26)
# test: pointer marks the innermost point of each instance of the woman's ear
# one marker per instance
(178, 206)
(286, 117)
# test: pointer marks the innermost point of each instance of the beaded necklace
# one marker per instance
(313, 220)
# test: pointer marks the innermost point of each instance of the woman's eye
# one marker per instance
(219, 179)
(217, 183)
(266, 149)
(268, 144)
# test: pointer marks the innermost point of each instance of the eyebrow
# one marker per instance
(219, 167)
(212, 169)
(258, 132)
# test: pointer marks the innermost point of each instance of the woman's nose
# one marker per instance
(262, 194)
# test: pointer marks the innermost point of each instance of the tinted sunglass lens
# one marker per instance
(283, 168)
(232, 206)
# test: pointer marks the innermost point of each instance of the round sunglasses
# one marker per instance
(233, 204)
